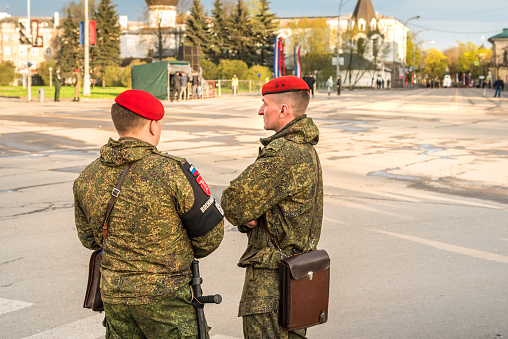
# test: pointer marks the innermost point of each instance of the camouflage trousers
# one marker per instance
(266, 325)
(173, 317)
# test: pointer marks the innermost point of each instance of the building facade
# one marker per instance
(386, 54)
(499, 65)
(13, 51)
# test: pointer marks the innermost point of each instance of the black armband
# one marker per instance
(206, 212)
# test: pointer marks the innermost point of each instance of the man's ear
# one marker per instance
(284, 109)
(152, 128)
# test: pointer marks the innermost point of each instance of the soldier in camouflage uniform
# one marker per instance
(276, 192)
(156, 229)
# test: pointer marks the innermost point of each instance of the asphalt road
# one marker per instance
(415, 222)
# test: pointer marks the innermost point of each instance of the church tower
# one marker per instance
(364, 17)
(162, 13)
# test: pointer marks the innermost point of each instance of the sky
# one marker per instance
(442, 21)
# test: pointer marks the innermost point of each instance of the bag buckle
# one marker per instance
(310, 275)
(115, 192)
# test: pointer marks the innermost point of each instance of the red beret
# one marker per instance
(142, 103)
(288, 83)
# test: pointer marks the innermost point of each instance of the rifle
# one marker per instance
(199, 300)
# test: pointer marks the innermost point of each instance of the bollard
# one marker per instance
(41, 94)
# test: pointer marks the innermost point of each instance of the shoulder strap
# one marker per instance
(114, 196)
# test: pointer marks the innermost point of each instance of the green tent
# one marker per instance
(155, 77)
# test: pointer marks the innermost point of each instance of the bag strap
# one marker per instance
(114, 196)
(313, 225)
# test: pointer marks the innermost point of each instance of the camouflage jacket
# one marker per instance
(279, 188)
(147, 253)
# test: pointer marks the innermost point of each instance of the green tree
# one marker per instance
(126, 75)
(78, 9)
(227, 68)
(252, 73)
(107, 50)
(70, 56)
(453, 55)
(241, 38)
(264, 33)
(210, 70)
(43, 70)
(412, 53)
(473, 58)
(435, 64)
(197, 27)
(219, 33)
(7, 73)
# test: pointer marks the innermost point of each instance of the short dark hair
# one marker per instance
(297, 100)
(126, 121)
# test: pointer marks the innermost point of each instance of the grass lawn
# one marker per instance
(65, 92)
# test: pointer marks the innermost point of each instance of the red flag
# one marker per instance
(92, 33)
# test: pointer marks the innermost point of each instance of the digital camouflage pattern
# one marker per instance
(147, 254)
(280, 186)
(266, 325)
(172, 317)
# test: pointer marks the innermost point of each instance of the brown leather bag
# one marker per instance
(93, 298)
(304, 281)
(304, 290)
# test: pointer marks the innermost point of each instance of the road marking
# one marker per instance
(8, 305)
(88, 328)
(450, 248)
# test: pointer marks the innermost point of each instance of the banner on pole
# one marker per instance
(92, 32)
(298, 69)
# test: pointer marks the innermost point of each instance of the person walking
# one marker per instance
(499, 86)
(276, 194)
(58, 84)
(339, 84)
(183, 91)
(196, 81)
(176, 83)
(311, 81)
(329, 84)
(164, 217)
(234, 84)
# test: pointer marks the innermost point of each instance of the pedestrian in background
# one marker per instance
(234, 84)
(311, 81)
(161, 221)
(176, 83)
(329, 84)
(499, 86)
(275, 194)
(183, 91)
(196, 81)
(339, 84)
(58, 84)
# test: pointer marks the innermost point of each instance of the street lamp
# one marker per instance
(405, 49)
(421, 56)
(50, 77)
(342, 3)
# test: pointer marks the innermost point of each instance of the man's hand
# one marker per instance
(251, 224)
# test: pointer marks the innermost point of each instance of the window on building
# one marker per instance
(373, 23)
(361, 25)
(22, 51)
(7, 50)
(6, 37)
(505, 57)
(35, 51)
(48, 51)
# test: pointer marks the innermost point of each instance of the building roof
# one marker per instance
(503, 35)
(364, 10)
(161, 3)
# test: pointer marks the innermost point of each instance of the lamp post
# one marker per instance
(421, 56)
(86, 71)
(342, 3)
(50, 77)
(405, 49)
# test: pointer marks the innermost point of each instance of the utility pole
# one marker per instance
(29, 53)
(405, 51)
(86, 80)
(338, 37)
